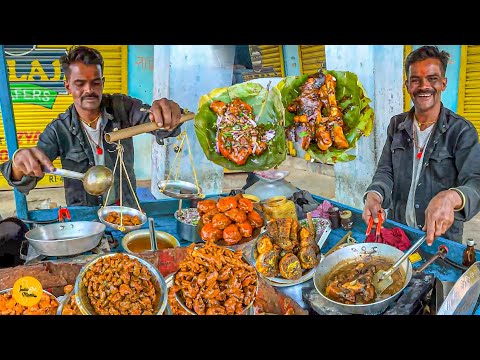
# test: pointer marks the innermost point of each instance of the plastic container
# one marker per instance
(346, 220)
(279, 207)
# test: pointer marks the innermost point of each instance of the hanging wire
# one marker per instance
(193, 168)
(174, 161)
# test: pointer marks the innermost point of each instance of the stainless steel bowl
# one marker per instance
(5, 291)
(145, 233)
(157, 279)
(179, 189)
(186, 231)
(103, 213)
(353, 253)
(64, 239)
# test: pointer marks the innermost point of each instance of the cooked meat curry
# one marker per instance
(352, 283)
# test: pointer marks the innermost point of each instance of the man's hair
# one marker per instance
(83, 54)
(428, 52)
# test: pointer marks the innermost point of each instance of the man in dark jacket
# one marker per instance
(428, 175)
(77, 135)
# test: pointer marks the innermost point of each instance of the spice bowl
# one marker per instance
(187, 222)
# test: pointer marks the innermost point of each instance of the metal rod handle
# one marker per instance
(406, 255)
(152, 233)
(140, 129)
(441, 253)
(65, 173)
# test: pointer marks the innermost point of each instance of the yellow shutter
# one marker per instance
(469, 85)
(311, 58)
(272, 56)
(407, 49)
(41, 68)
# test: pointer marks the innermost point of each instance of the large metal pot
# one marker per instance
(353, 253)
(64, 239)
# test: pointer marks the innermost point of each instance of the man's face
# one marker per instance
(85, 83)
(425, 84)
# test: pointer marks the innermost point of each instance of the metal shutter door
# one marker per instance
(407, 49)
(272, 56)
(469, 84)
(311, 58)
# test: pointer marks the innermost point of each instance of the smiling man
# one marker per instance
(77, 135)
(428, 175)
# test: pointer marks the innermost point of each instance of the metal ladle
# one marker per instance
(96, 180)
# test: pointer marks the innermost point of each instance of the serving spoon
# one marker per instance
(96, 180)
(383, 279)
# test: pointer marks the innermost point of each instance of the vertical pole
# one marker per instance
(9, 128)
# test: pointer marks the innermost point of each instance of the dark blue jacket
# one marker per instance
(451, 159)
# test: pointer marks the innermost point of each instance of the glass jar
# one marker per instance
(469, 257)
(278, 207)
(334, 216)
(346, 220)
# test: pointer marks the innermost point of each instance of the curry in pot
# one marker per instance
(352, 283)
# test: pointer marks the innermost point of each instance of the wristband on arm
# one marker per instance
(462, 196)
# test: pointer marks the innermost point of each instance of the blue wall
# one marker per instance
(140, 85)
(291, 60)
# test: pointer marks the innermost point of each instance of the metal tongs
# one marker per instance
(378, 228)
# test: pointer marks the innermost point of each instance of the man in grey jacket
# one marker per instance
(77, 135)
(428, 175)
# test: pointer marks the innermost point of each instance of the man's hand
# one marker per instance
(373, 203)
(30, 162)
(166, 113)
(439, 214)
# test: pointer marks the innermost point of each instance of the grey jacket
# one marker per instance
(65, 137)
(451, 159)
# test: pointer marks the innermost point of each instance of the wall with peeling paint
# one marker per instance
(291, 60)
(184, 73)
(379, 69)
(140, 86)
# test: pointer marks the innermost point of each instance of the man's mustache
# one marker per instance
(89, 96)
(423, 92)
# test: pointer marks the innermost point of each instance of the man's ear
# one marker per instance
(67, 86)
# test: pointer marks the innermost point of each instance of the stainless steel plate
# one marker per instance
(170, 279)
(103, 213)
(174, 189)
(323, 229)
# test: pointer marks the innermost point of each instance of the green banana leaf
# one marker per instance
(267, 105)
(350, 95)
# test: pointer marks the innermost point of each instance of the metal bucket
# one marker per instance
(354, 253)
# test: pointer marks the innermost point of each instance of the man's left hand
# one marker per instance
(439, 215)
(166, 113)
